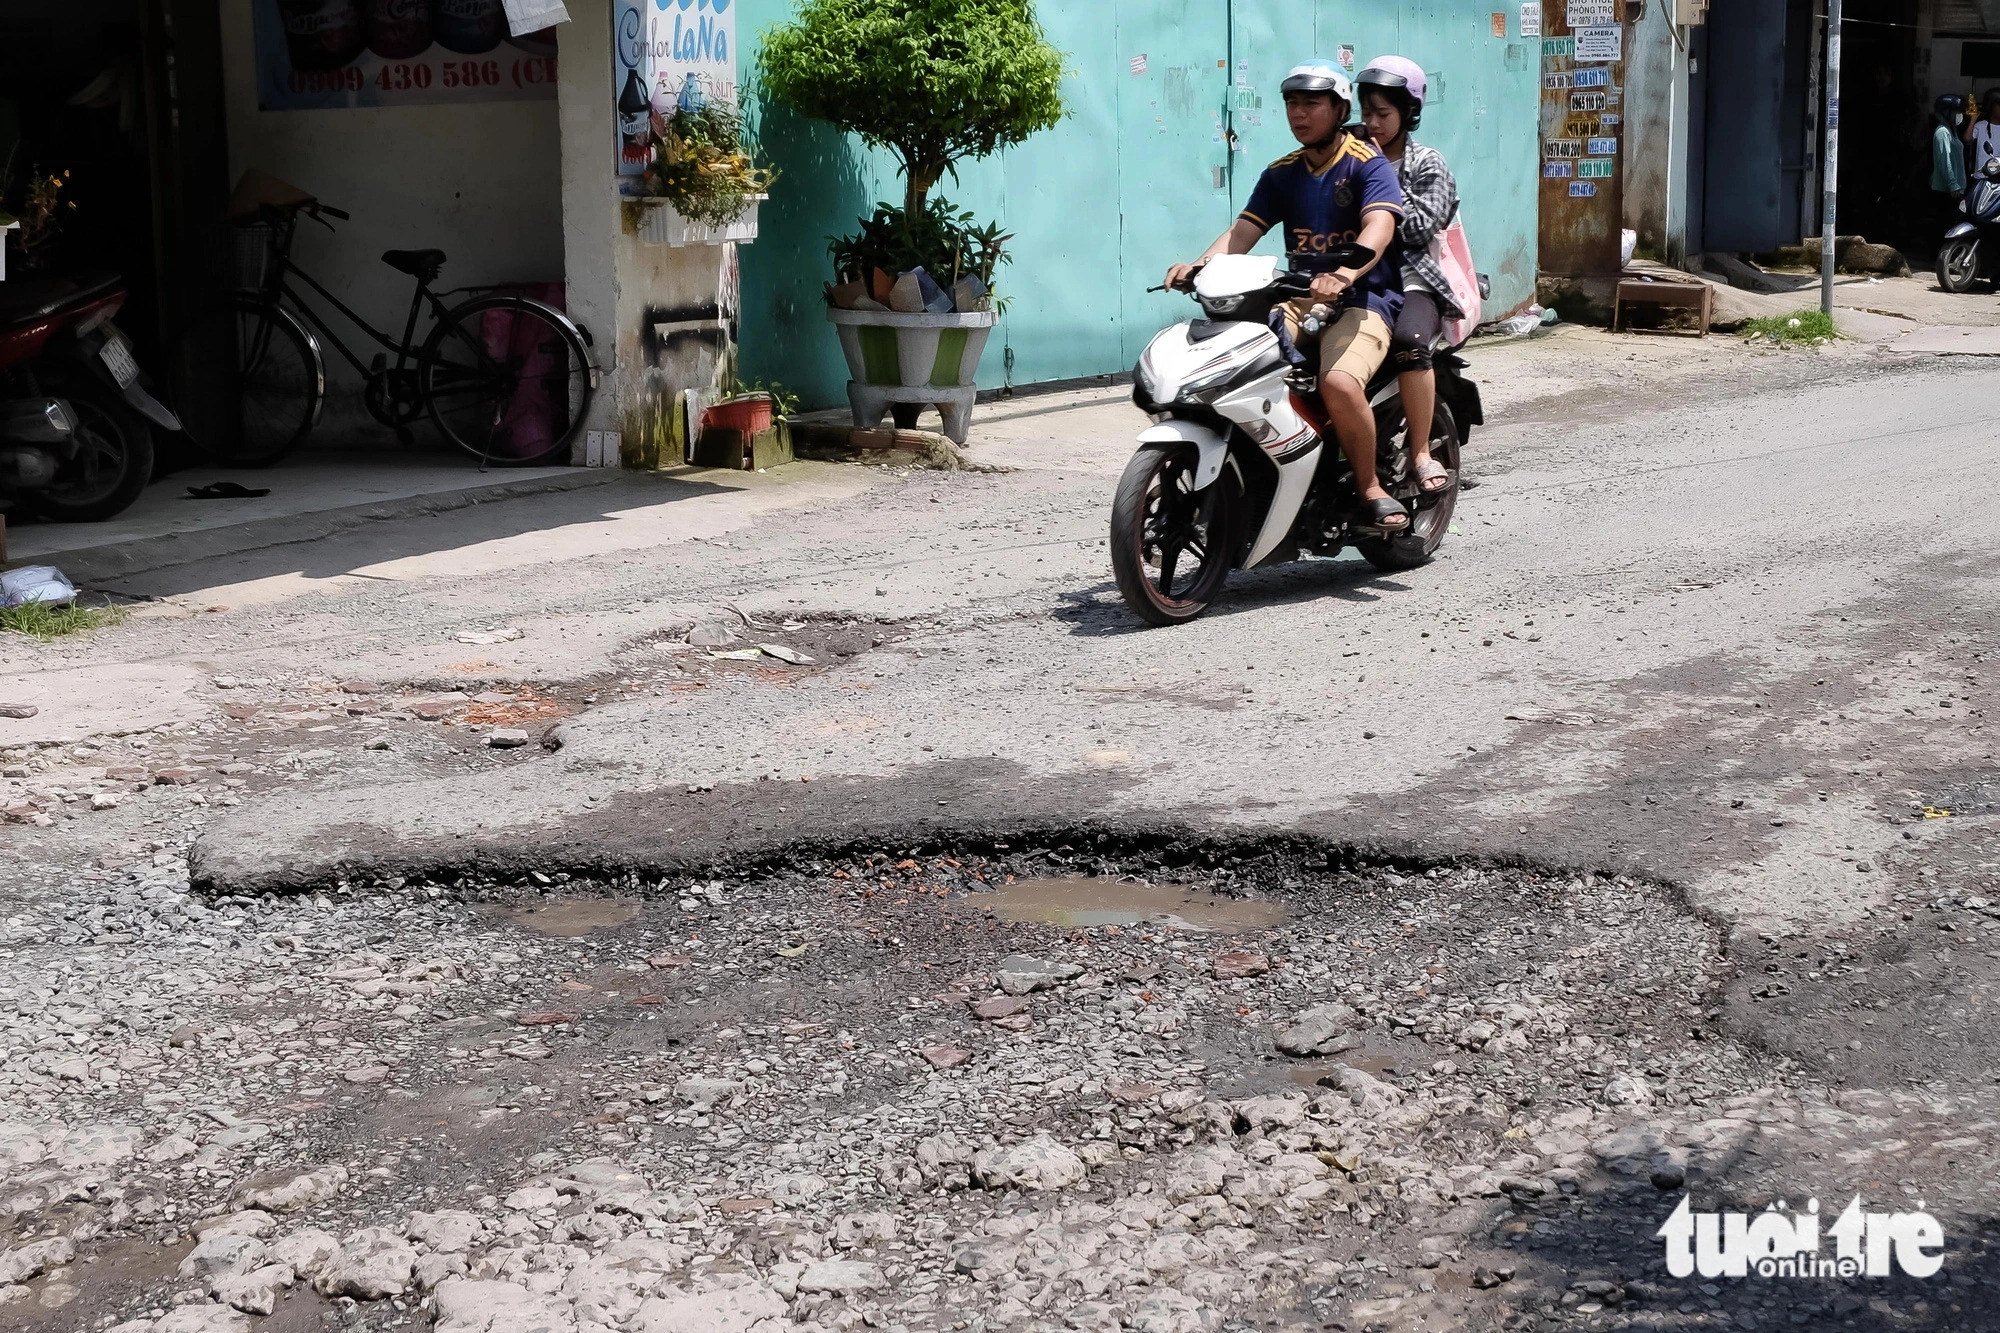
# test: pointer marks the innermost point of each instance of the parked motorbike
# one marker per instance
(76, 418)
(1971, 250)
(1241, 468)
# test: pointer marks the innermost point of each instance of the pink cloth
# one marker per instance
(1453, 253)
(534, 418)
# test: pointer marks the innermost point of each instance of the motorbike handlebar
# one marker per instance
(333, 212)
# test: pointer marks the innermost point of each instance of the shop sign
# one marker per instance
(1601, 43)
(326, 54)
(667, 54)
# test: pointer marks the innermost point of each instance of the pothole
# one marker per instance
(899, 1086)
(571, 918)
(1082, 901)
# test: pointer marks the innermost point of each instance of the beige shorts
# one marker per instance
(1355, 344)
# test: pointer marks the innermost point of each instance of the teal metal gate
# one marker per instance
(1174, 111)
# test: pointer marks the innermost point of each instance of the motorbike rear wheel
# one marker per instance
(1958, 264)
(1431, 521)
(113, 462)
(1158, 519)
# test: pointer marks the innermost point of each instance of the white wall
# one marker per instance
(483, 183)
(620, 287)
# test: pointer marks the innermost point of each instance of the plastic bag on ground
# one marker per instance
(1518, 325)
(36, 583)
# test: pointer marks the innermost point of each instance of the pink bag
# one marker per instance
(1453, 254)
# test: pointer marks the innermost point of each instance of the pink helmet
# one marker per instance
(1395, 74)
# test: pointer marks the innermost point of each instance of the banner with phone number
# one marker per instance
(328, 54)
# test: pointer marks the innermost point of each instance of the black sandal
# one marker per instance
(1386, 513)
(225, 490)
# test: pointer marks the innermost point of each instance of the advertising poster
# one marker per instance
(667, 54)
(327, 54)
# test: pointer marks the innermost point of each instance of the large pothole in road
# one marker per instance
(988, 1087)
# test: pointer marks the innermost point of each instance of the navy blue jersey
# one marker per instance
(1320, 209)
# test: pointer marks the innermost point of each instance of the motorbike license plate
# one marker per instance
(119, 362)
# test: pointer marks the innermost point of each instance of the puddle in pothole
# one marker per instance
(570, 920)
(1077, 901)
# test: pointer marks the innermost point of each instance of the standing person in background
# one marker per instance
(1982, 136)
(1392, 104)
(1947, 162)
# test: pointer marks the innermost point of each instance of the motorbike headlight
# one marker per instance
(1205, 386)
(1221, 305)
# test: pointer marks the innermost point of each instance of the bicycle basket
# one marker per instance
(252, 248)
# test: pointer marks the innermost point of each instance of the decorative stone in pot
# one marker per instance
(913, 359)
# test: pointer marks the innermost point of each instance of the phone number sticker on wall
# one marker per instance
(1583, 189)
(1599, 168)
(1558, 171)
(316, 55)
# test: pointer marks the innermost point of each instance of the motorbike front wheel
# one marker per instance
(1958, 264)
(1171, 545)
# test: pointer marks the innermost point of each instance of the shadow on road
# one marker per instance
(1097, 612)
(561, 525)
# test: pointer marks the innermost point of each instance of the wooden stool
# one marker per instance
(1697, 296)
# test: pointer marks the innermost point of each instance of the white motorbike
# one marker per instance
(1241, 470)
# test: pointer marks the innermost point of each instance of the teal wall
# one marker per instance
(1126, 185)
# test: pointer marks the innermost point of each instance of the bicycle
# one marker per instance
(504, 377)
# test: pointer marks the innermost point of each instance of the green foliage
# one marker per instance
(39, 620)
(932, 81)
(1801, 328)
(704, 162)
(943, 240)
(784, 403)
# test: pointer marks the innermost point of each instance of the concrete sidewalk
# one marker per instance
(313, 495)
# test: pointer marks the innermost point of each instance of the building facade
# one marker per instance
(435, 128)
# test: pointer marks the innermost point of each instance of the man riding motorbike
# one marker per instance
(1338, 188)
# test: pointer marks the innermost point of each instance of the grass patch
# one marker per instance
(1801, 328)
(39, 620)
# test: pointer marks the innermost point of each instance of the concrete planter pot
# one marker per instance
(915, 360)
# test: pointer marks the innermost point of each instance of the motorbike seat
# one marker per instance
(417, 263)
(26, 300)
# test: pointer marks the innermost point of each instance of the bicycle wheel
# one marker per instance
(250, 383)
(507, 380)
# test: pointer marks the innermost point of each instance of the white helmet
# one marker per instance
(1319, 76)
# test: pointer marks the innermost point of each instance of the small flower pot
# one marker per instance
(749, 414)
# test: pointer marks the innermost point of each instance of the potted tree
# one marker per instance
(933, 82)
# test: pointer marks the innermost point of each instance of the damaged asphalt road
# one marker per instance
(1670, 784)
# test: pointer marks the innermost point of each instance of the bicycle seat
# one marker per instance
(416, 263)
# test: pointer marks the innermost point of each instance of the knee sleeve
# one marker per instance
(1417, 328)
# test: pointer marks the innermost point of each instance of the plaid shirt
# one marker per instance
(1430, 202)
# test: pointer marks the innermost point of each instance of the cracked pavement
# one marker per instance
(1705, 661)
